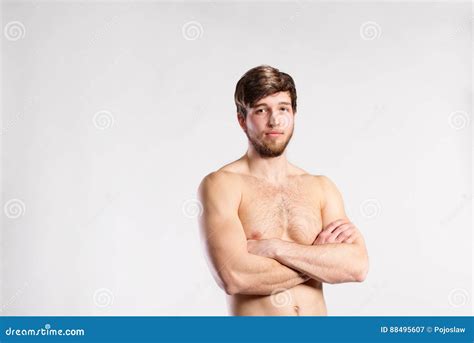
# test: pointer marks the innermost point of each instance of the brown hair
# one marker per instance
(259, 82)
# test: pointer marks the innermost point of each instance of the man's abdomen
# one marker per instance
(306, 299)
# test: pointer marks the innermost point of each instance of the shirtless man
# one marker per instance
(273, 233)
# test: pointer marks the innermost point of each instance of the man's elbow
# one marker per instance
(362, 271)
(231, 289)
(229, 283)
(361, 276)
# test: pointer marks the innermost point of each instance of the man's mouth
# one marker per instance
(273, 133)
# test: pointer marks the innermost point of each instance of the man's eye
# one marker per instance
(260, 110)
(284, 108)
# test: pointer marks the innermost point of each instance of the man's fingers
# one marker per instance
(343, 237)
(329, 230)
(335, 224)
(318, 240)
(351, 235)
(351, 239)
(341, 228)
(321, 238)
(324, 236)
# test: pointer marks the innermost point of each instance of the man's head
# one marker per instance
(266, 105)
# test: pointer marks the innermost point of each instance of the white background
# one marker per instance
(96, 207)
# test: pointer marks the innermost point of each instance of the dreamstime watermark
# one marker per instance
(199, 115)
(284, 120)
(109, 200)
(14, 297)
(375, 290)
(14, 208)
(192, 30)
(32, 279)
(377, 111)
(459, 120)
(458, 297)
(192, 208)
(466, 199)
(460, 29)
(370, 208)
(13, 122)
(103, 297)
(281, 297)
(14, 30)
(370, 30)
(103, 119)
(103, 30)
(46, 331)
(293, 16)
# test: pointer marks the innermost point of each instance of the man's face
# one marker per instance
(269, 124)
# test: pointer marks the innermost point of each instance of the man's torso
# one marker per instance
(291, 212)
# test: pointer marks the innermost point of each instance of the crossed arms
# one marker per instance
(259, 267)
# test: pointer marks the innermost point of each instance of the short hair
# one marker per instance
(259, 82)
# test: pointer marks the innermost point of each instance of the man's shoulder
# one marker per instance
(220, 181)
(300, 172)
(221, 177)
(317, 182)
(324, 180)
(228, 173)
(326, 186)
(310, 177)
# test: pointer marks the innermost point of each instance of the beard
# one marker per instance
(269, 148)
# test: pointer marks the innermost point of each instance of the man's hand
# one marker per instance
(262, 247)
(339, 231)
(268, 248)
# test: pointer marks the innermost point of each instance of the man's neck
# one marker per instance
(272, 169)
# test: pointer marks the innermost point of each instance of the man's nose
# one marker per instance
(273, 120)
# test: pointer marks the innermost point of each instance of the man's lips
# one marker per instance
(273, 133)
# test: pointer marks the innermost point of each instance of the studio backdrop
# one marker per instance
(114, 111)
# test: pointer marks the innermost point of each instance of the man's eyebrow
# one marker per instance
(280, 103)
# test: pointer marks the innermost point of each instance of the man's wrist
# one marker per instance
(278, 246)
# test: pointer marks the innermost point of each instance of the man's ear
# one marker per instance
(241, 119)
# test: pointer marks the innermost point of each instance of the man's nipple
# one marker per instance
(256, 235)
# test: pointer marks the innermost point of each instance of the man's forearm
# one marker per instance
(262, 276)
(330, 263)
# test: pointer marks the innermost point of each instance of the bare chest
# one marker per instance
(290, 212)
